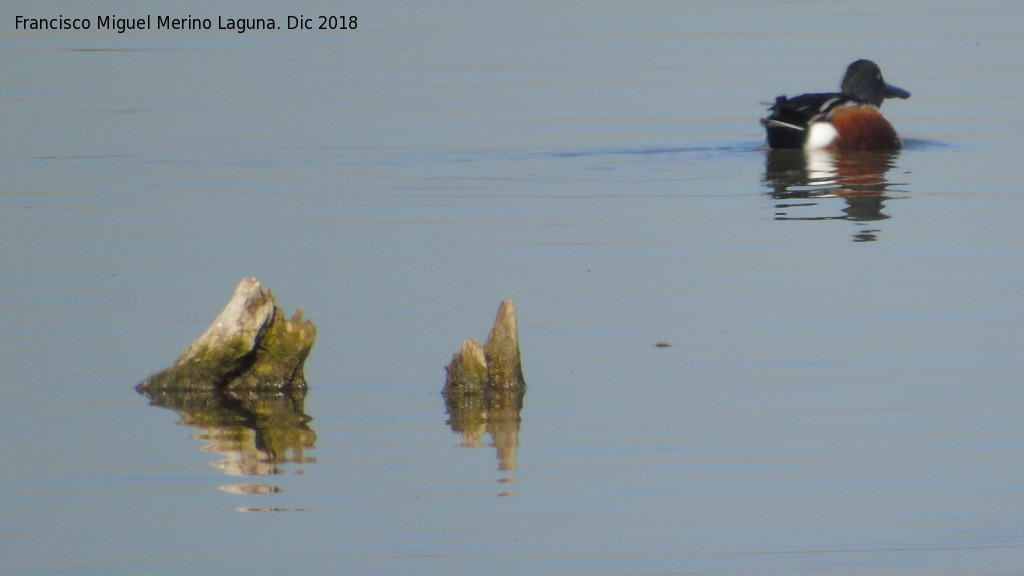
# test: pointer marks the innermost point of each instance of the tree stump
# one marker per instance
(242, 383)
(485, 387)
(249, 347)
(495, 366)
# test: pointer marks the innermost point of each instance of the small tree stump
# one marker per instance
(484, 388)
(496, 366)
(504, 362)
(249, 347)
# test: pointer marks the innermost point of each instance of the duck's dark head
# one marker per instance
(864, 82)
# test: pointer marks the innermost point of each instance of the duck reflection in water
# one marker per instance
(800, 180)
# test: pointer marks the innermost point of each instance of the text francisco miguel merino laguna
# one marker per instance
(121, 25)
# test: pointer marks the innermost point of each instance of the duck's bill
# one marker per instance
(895, 92)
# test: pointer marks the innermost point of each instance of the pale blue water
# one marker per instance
(840, 394)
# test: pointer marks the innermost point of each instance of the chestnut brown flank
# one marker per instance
(864, 128)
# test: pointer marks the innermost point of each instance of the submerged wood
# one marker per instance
(485, 387)
(250, 347)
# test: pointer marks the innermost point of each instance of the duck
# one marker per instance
(846, 120)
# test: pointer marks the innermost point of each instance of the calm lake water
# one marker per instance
(841, 388)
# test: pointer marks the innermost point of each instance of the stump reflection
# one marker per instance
(494, 413)
(256, 432)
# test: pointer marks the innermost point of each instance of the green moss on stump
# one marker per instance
(481, 379)
(250, 346)
(496, 366)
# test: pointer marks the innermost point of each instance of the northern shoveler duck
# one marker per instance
(848, 120)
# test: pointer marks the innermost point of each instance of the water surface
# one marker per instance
(838, 393)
